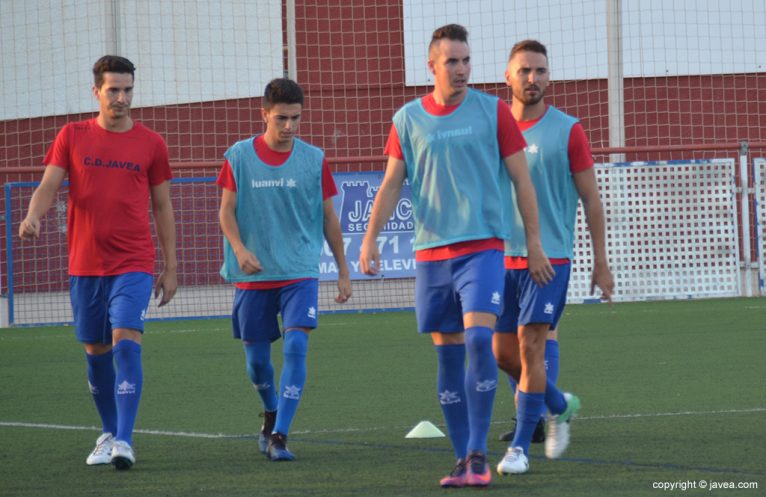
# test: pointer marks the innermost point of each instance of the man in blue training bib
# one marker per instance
(457, 147)
(561, 167)
(276, 210)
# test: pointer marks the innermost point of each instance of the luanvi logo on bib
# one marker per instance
(274, 183)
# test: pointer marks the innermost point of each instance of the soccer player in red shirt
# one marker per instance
(458, 147)
(276, 211)
(115, 165)
(561, 168)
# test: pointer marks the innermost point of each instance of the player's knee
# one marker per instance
(258, 362)
(532, 355)
(96, 349)
(119, 334)
(532, 337)
(508, 363)
(259, 370)
(296, 342)
(478, 340)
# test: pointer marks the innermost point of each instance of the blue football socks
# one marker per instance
(551, 364)
(480, 385)
(554, 399)
(128, 383)
(530, 407)
(552, 360)
(101, 382)
(450, 385)
(261, 372)
(292, 379)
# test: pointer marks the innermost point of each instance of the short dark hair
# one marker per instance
(454, 32)
(528, 46)
(282, 91)
(111, 63)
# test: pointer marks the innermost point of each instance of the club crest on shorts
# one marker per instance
(495, 298)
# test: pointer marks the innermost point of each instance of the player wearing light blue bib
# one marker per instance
(276, 209)
(561, 169)
(437, 152)
(457, 146)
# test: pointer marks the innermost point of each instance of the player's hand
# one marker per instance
(29, 228)
(602, 278)
(369, 257)
(344, 288)
(166, 286)
(540, 268)
(248, 262)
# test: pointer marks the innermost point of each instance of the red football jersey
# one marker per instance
(110, 175)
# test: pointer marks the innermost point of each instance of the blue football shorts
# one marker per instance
(254, 318)
(526, 303)
(101, 304)
(445, 290)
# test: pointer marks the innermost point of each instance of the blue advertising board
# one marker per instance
(356, 193)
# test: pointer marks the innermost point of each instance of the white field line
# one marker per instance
(148, 332)
(50, 336)
(681, 413)
(185, 434)
(70, 336)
